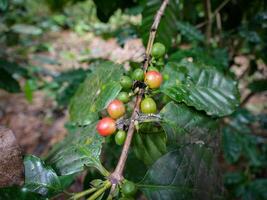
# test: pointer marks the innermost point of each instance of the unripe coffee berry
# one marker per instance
(148, 106)
(120, 137)
(128, 188)
(124, 97)
(138, 75)
(126, 82)
(158, 50)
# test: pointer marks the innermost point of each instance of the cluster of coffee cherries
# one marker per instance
(151, 79)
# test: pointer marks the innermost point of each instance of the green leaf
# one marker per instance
(69, 82)
(234, 178)
(7, 82)
(166, 29)
(13, 68)
(185, 125)
(149, 143)
(94, 94)
(187, 173)
(26, 29)
(134, 169)
(238, 139)
(106, 8)
(258, 85)
(189, 31)
(76, 151)
(212, 57)
(257, 189)
(3, 4)
(7, 70)
(241, 119)
(66, 180)
(18, 193)
(232, 145)
(250, 36)
(202, 87)
(29, 87)
(40, 178)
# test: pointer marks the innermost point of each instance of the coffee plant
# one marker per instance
(151, 131)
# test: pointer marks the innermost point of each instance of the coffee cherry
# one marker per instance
(158, 50)
(120, 137)
(138, 75)
(148, 105)
(124, 97)
(151, 68)
(128, 189)
(126, 82)
(106, 126)
(153, 79)
(116, 109)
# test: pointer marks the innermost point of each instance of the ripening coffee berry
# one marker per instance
(153, 79)
(106, 126)
(128, 189)
(148, 105)
(120, 137)
(126, 82)
(124, 97)
(158, 50)
(138, 75)
(116, 109)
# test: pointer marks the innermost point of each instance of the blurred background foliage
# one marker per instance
(238, 28)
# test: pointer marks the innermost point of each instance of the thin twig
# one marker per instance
(246, 99)
(208, 15)
(117, 176)
(217, 10)
(219, 26)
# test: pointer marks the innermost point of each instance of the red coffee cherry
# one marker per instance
(106, 126)
(116, 109)
(153, 79)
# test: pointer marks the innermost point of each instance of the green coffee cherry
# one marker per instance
(124, 97)
(120, 137)
(126, 82)
(128, 189)
(148, 105)
(158, 50)
(138, 75)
